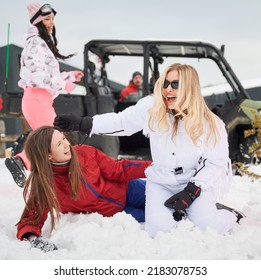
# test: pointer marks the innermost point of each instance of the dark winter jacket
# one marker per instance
(103, 189)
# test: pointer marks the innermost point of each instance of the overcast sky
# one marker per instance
(235, 23)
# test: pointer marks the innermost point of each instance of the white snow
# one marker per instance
(93, 237)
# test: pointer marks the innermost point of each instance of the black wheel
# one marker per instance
(244, 145)
(110, 145)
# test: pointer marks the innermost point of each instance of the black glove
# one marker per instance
(183, 199)
(74, 123)
(43, 244)
(178, 215)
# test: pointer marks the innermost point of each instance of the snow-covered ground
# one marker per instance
(91, 242)
(89, 237)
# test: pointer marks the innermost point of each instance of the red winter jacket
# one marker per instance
(130, 88)
(103, 189)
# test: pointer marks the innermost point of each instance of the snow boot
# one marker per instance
(179, 214)
(237, 213)
(19, 143)
(16, 167)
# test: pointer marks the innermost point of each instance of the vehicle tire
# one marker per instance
(244, 145)
(110, 145)
(235, 126)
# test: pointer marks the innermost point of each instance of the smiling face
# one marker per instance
(170, 94)
(48, 22)
(60, 148)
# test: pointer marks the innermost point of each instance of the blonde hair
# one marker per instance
(190, 105)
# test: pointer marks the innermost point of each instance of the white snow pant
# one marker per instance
(202, 212)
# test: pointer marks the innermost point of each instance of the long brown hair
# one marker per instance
(39, 193)
(190, 105)
(51, 41)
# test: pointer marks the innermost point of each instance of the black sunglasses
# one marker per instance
(174, 84)
(45, 10)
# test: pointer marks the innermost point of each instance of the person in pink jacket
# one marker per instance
(41, 78)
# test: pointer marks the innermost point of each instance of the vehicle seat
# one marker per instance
(100, 100)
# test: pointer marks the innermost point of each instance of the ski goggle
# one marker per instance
(174, 84)
(45, 10)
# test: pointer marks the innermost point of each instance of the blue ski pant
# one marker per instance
(135, 201)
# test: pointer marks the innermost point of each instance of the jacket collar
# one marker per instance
(60, 169)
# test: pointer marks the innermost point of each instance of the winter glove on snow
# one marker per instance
(183, 199)
(71, 122)
(43, 244)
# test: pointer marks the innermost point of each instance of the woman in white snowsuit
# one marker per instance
(189, 149)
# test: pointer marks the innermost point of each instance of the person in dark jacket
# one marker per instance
(133, 91)
(76, 179)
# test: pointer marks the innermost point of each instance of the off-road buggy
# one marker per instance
(234, 106)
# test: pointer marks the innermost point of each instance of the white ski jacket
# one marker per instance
(175, 161)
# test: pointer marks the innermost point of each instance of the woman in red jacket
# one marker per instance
(78, 179)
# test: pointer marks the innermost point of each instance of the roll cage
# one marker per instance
(154, 52)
